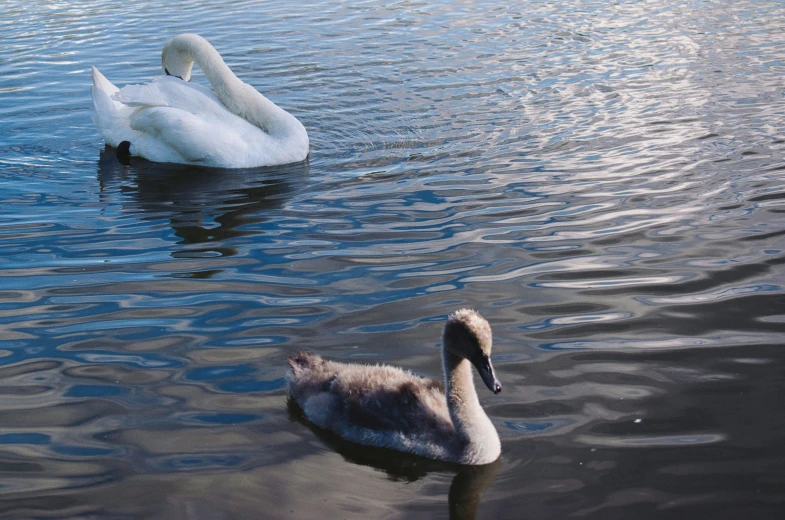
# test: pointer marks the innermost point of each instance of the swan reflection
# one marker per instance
(468, 485)
(202, 205)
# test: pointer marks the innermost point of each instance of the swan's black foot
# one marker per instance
(124, 152)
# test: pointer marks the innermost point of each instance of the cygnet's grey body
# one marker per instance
(388, 407)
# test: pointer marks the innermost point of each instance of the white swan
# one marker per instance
(171, 120)
(391, 408)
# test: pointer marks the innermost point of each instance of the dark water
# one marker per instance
(602, 181)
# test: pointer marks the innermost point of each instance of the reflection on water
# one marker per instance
(603, 181)
(467, 487)
(203, 205)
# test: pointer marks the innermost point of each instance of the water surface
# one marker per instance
(601, 181)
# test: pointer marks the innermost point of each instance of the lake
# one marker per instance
(602, 181)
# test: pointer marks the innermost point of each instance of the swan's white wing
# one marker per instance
(168, 91)
(170, 120)
(195, 138)
(177, 121)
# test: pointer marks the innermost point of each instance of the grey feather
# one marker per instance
(389, 407)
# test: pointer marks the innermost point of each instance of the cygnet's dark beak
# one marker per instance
(485, 368)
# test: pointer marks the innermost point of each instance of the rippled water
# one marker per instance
(602, 181)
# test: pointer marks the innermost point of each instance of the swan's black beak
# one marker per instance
(485, 368)
(168, 74)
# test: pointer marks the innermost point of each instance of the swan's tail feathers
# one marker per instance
(102, 97)
(109, 116)
(303, 360)
(306, 375)
(101, 83)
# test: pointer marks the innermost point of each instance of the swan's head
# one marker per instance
(177, 58)
(468, 335)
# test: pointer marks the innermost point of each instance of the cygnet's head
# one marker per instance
(468, 335)
(177, 56)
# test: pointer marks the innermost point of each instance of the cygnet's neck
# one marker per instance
(468, 417)
(239, 97)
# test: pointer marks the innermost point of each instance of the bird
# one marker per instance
(172, 120)
(388, 407)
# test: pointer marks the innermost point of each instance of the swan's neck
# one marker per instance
(469, 419)
(241, 98)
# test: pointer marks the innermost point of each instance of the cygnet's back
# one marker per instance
(388, 407)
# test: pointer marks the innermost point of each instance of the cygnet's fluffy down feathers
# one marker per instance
(374, 405)
(388, 407)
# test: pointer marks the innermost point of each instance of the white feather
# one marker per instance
(171, 120)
